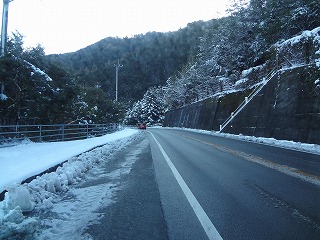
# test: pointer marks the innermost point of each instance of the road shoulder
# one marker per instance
(137, 212)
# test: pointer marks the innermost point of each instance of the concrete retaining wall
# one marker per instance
(288, 107)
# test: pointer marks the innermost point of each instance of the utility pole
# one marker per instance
(4, 26)
(117, 65)
(4, 32)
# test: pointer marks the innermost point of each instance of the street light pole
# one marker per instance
(4, 33)
(117, 76)
(4, 26)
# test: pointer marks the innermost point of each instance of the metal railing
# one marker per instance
(53, 133)
(248, 99)
(257, 90)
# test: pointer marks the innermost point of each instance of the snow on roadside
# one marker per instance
(298, 146)
(26, 160)
(43, 192)
(82, 206)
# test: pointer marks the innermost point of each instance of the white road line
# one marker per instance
(206, 223)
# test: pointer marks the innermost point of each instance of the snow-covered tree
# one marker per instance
(28, 89)
(150, 109)
(247, 39)
(91, 106)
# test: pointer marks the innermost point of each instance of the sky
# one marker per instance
(68, 25)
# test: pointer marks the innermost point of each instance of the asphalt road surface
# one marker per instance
(188, 185)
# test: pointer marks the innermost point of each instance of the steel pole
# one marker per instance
(117, 74)
(117, 77)
(4, 26)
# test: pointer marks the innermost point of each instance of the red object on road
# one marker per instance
(142, 126)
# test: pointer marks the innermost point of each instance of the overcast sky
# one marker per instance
(68, 25)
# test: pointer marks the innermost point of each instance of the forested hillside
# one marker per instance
(34, 91)
(238, 51)
(147, 60)
(166, 70)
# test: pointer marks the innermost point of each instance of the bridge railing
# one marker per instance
(56, 132)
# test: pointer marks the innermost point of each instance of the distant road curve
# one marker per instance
(218, 188)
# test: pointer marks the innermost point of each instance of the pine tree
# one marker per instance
(150, 109)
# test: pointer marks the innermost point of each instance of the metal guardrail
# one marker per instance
(57, 132)
(248, 99)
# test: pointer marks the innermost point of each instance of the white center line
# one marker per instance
(206, 223)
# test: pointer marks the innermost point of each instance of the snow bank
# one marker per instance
(26, 160)
(12, 221)
(15, 224)
(73, 212)
(305, 147)
(43, 192)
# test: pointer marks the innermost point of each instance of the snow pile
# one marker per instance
(43, 192)
(305, 147)
(18, 196)
(14, 225)
(12, 221)
(26, 160)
